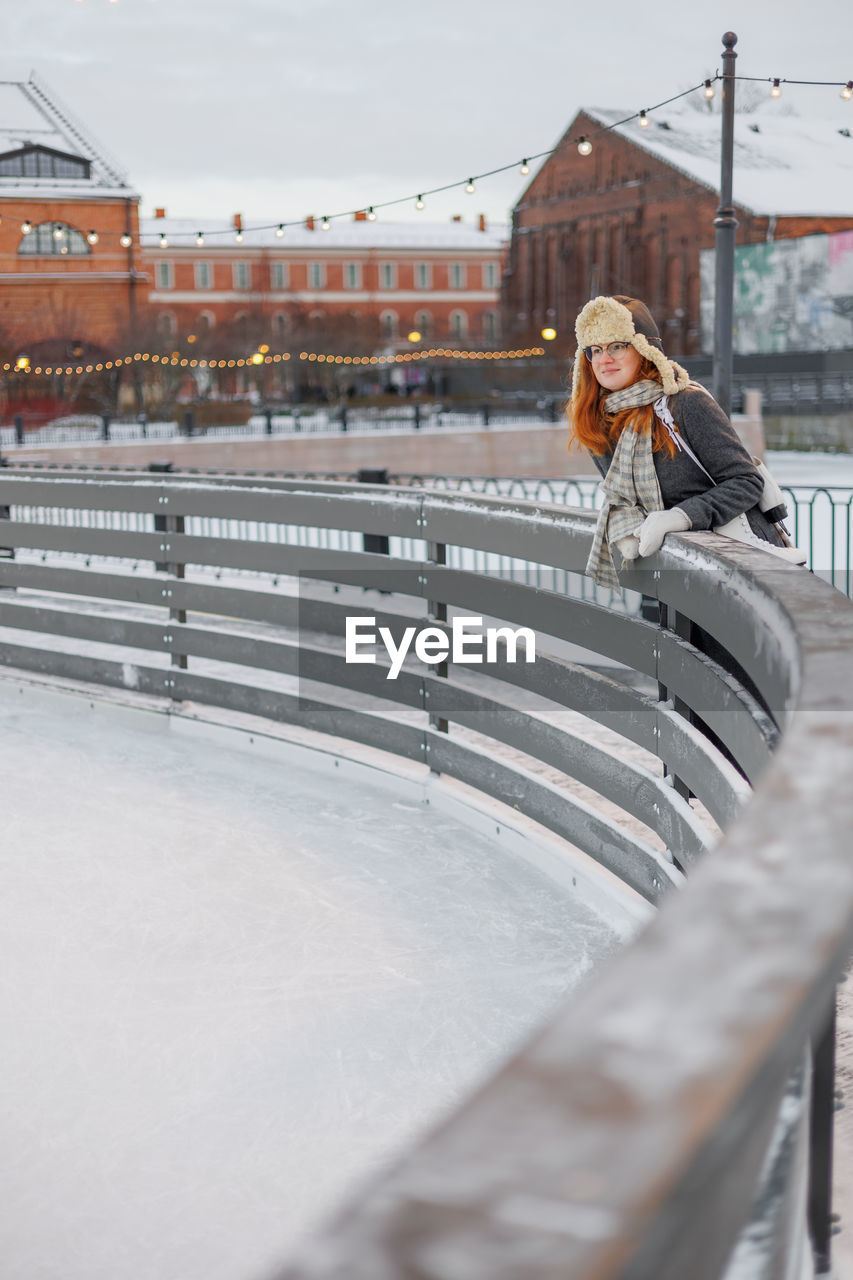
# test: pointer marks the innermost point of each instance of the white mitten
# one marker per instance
(656, 526)
(629, 546)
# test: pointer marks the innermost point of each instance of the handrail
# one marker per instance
(626, 1140)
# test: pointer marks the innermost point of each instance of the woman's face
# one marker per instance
(616, 372)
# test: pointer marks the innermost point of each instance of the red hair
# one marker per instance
(598, 431)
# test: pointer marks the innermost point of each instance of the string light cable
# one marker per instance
(23, 365)
(584, 143)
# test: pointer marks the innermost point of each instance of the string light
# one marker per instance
(58, 232)
(164, 241)
(325, 224)
(584, 145)
(92, 237)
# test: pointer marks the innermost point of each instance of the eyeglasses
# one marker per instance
(614, 349)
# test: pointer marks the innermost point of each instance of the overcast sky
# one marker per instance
(279, 108)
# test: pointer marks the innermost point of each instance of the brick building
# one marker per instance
(633, 215)
(361, 284)
(71, 282)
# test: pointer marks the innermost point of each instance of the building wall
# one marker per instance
(330, 294)
(618, 221)
(79, 299)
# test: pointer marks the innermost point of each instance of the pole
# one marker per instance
(724, 243)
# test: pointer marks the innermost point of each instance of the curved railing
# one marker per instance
(629, 1138)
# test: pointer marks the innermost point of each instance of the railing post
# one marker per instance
(823, 1107)
(375, 543)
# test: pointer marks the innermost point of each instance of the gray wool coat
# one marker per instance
(715, 442)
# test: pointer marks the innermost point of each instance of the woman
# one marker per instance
(652, 486)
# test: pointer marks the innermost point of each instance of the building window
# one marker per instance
(241, 275)
(352, 275)
(387, 275)
(423, 323)
(423, 275)
(490, 326)
(278, 275)
(53, 239)
(203, 275)
(34, 161)
(164, 275)
(316, 275)
(388, 321)
(490, 275)
(457, 275)
(458, 324)
(280, 325)
(166, 325)
(206, 321)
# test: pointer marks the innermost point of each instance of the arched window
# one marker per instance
(423, 323)
(388, 320)
(458, 324)
(205, 322)
(53, 239)
(167, 325)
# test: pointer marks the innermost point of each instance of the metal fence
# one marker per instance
(668, 1105)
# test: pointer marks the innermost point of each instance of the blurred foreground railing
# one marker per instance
(667, 1105)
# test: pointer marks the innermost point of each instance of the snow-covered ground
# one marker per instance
(236, 976)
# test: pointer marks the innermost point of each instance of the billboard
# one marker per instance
(790, 295)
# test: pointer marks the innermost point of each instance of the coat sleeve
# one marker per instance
(715, 442)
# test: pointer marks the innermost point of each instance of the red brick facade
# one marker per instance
(620, 220)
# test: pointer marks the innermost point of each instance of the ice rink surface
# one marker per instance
(232, 985)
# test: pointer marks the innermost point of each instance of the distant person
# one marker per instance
(652, 485)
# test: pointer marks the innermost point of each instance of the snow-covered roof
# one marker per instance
(787, 165)
(343, 233)
(31, 114)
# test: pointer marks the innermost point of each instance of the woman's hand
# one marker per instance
(656, 526)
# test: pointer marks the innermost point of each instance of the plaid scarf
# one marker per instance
(630, 488)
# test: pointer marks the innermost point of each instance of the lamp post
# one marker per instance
(725, 223)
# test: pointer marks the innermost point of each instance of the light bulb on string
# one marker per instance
(419, 203)
(710, 91)
(279, 231)
(525, 167)
(238, 236)
(847, 91)
(776, 91)
(164, 241)
(584, 146)
(325, 224)
(26, 227)
(644, 119)
(58, 232)
(92, 237)
(126, 240)
(200, 238)
(371, 214)
(469, 186)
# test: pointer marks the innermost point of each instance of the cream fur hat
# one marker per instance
(622, 319)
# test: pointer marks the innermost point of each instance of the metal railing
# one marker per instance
(635, 1135)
